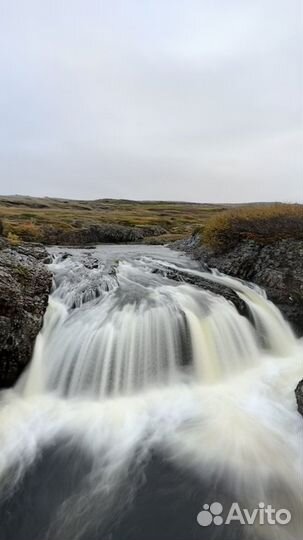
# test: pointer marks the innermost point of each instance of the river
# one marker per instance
(152, 409)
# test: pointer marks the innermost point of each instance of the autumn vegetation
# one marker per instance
(38, 219)
(221, 227)
(264, 224)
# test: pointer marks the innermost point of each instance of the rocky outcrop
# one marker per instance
(106, 233)
(277, 267)
(25, 285)
(299, 396)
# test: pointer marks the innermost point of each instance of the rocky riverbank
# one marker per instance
(107, 233)
(276, 267)
(25, 285)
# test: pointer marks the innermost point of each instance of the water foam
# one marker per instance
(150, 364)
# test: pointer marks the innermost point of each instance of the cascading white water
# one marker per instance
(119, 332)
(129, 360)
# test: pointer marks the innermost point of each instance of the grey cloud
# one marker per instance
(198, 100)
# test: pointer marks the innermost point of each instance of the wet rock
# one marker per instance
(207, 285)
(277, 268)
(37, 251)
(299, 396)
(91, 263)
(25, 285)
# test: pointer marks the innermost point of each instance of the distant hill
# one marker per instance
(52, 220)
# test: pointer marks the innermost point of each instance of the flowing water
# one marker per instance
(147, 399)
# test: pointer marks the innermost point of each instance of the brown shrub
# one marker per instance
(27, 231)
(265, 224)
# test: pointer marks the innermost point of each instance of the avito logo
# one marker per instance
(262, 515)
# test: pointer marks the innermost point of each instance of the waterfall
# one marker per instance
(115, 333)
(146, 379)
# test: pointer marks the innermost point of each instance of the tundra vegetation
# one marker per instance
(42, 219)
(221, 227)
(265, 224)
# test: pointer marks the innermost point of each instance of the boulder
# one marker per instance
(25, 284)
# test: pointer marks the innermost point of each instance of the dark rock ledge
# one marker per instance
(207, 285)
(277, 268)
(25, 285)
(299, 397)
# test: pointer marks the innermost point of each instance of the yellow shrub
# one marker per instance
(13, 239)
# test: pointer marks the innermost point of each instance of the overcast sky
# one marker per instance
(195, 100)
